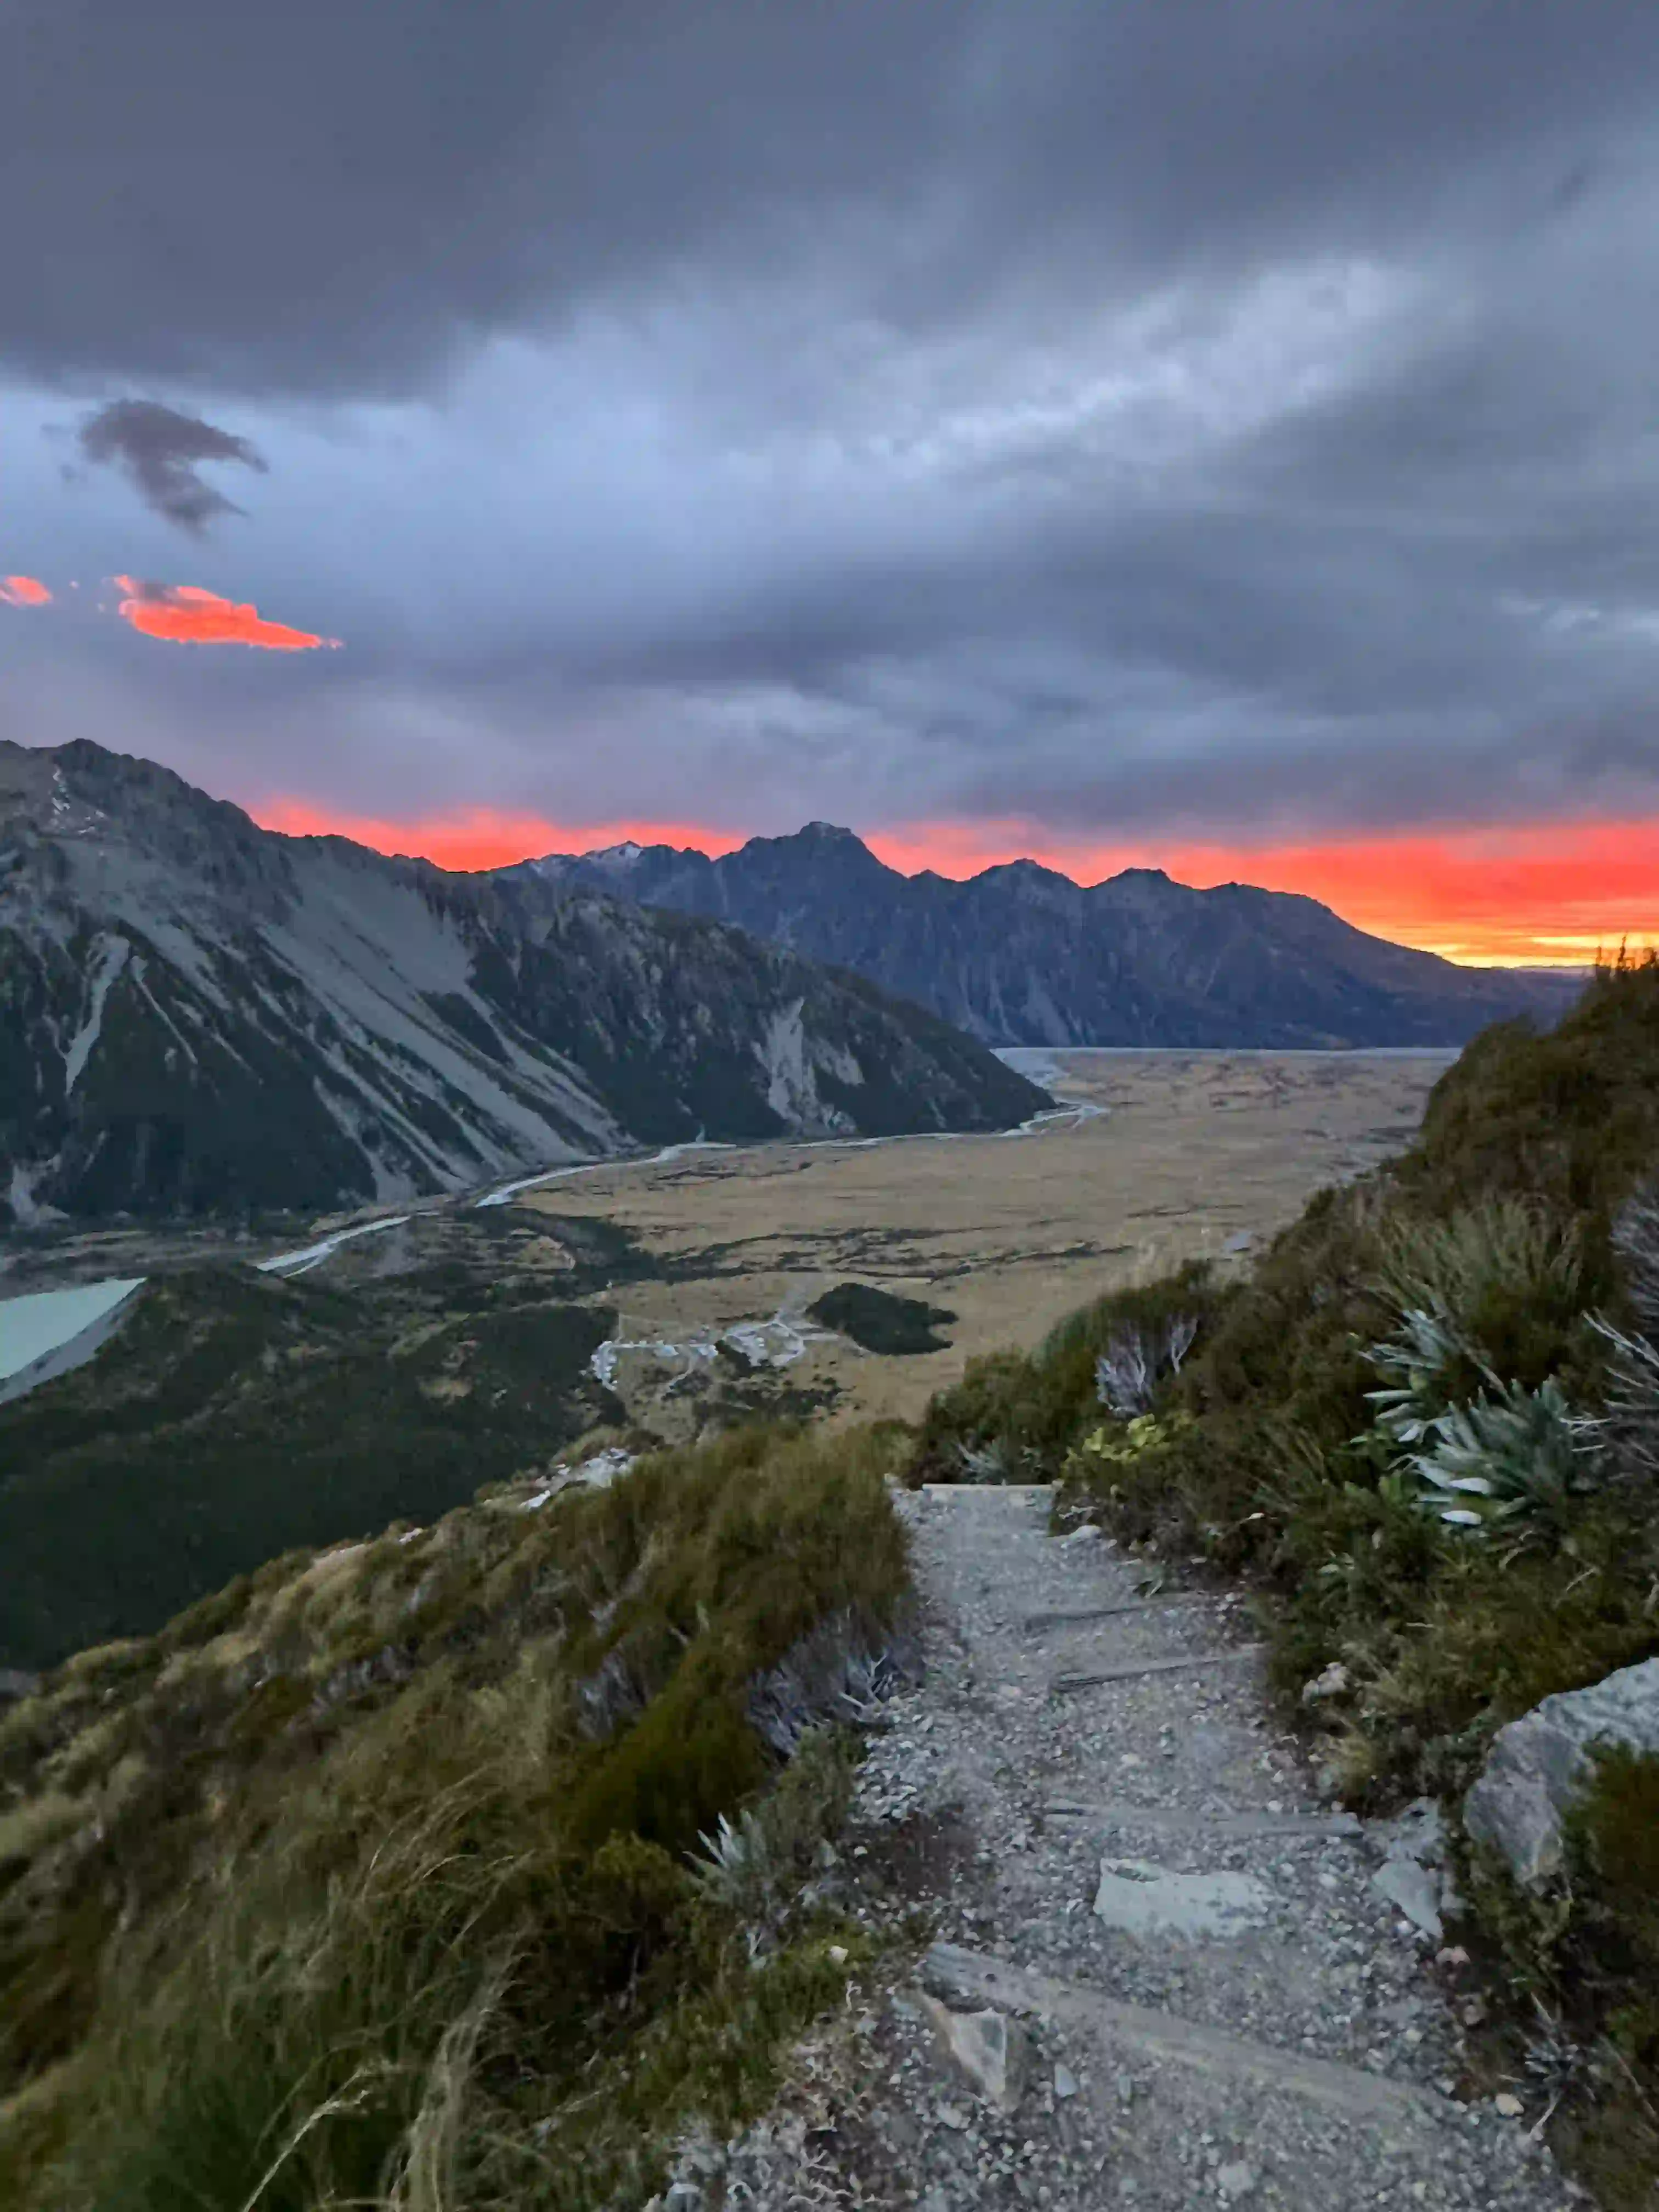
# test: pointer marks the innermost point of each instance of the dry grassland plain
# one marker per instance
(1169, 1156)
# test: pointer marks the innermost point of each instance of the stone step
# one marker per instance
(952, 1972)
(1094, 1677)
(957, 1490)
(1037, 1622)
(1174, 1820)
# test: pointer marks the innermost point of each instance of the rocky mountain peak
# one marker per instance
(1020, 954)
(198, 1014)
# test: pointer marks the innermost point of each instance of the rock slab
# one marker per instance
(1415, 1876)
(1540, 1766)
(992, 2052)
(1144, 1899)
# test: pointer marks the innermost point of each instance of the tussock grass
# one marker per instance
(377, 1920)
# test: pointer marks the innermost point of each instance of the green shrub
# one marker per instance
(881, 1320)
(1024, 1409)
(1569, 1119)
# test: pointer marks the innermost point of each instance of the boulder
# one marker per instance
(1540, 1766)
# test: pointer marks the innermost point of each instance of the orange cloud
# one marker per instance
(23, 591)
(1536, 894)
(480, 837)
(186, 615)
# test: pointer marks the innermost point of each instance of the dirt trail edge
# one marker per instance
(1168, 1973)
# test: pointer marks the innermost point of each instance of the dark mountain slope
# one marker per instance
(198, 1013)
(1020, 955)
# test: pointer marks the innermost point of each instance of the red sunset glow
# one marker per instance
(184, 614)
(24, 591)
(480, 837)
(1537, 894)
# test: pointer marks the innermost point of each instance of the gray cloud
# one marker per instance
(343, 205)
(1117, 417)
(161, 451)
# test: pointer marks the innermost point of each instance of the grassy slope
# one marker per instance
(1262, 1456)
(366, 1879)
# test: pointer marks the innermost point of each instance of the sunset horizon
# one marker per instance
(1505, 896)
(994, 434)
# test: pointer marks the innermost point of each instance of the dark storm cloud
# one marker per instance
(336, 195)
(161, 451)
(1092, 413)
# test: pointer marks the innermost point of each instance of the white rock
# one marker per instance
(1418, 1833)
(1539, 1765)
(1416, 1874)
(1065, 2082)
(1509, 2107)
(1330, 1684)
(991, 2049)
(1413, 1890)
(1144, 1899)
(1234, 2180)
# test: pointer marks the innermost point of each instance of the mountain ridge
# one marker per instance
(1021, 954)
(196, 1012)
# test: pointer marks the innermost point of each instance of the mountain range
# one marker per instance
(197, 1014)
(1021, 955)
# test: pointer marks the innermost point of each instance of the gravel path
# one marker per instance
(1254, 2021)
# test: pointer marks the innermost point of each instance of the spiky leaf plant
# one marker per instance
(1514, 1457)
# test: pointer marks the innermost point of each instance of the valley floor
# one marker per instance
(1163, 1156)
(1168, 1156)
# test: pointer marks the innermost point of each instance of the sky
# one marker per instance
(1221, 438)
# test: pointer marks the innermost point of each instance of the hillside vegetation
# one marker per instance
(376, 1877)
(1426, 1424)
(237, 1417)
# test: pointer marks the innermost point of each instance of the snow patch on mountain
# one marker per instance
(109, 957)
